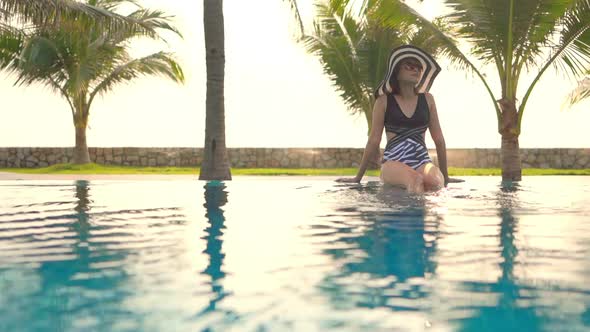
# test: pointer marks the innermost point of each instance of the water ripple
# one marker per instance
(294, 254)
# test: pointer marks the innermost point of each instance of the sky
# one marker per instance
(276, 95)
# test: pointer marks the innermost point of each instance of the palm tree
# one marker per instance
(81, 60)
(215, 164)
(512, 36)
(15, 15)
(353, 48)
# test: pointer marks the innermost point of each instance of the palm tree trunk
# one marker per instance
(215, 164)
(81, 155)
(511, 167)
(80, 111)
(375, 162)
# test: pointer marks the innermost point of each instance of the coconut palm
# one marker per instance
(17, 17)
(513, 37)
(81, 60)
(215, 164)
(353, 48)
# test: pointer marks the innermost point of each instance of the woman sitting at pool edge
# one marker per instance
(405, 109)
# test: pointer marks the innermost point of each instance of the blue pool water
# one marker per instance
(294, 254)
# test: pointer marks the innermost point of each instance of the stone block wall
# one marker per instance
(43, 157)
(28, 157)
(530, 158)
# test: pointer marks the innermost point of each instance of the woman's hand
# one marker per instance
(348, 180)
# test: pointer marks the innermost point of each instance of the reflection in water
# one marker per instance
(385, 249)
(82, 208)
(586, 316)
(385, 244)
(76, 260)
(507, 314)
(72, 289)
(113, 256)
(215, 198)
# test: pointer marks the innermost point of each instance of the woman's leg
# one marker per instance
(397, 173)
(433, 177)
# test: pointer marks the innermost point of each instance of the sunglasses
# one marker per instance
(412, 66)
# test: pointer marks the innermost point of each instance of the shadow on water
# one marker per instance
(215, 198)
(383, 242)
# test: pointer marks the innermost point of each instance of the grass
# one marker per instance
(102, 169)
(105, 169)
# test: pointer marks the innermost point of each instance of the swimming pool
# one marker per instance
(294, 254)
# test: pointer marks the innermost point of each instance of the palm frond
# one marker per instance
(160, 63)
(297, 17)
(395, 13)
(51, 12)
(571, 55)
(39, 58)
(536, 25)
(151, 21)
(78, 56)
(113, 5)
(37, 61)
(484, 24)
(11, 44)
(335, 40)
(582, 92)
(375, 48)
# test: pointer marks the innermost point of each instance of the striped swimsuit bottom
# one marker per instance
(408, 147)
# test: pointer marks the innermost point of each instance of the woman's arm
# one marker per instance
(437, 137)
(374, 140)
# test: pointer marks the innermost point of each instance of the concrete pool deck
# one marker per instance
(8, 176)
(157, 177)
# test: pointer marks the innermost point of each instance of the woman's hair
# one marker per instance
(393, 82)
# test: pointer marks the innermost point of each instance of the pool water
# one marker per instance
(294, 254)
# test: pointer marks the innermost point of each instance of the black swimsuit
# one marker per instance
(408, 146)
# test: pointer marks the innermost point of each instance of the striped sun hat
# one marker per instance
(429, 65)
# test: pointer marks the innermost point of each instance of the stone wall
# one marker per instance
(281, 157)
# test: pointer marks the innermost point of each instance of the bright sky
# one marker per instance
(276, 96)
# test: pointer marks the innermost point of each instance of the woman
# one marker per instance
(405, 109)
